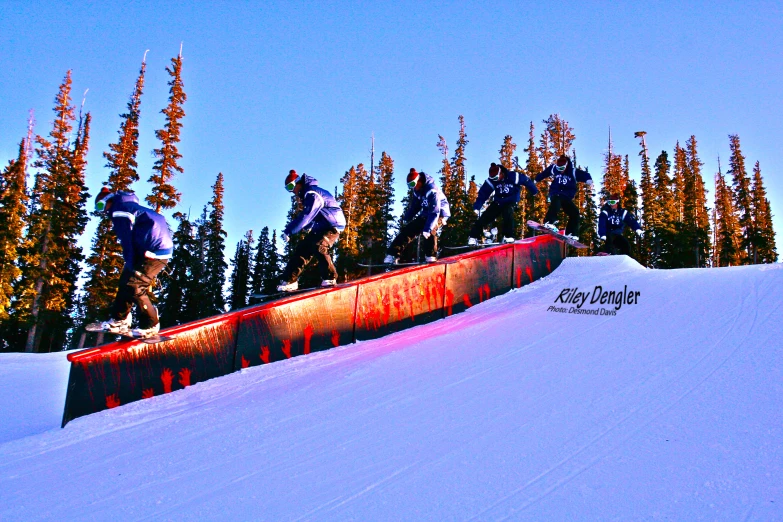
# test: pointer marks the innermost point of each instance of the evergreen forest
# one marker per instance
(50, 288)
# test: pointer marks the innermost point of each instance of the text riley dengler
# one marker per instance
(597, 295)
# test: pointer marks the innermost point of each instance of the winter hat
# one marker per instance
(290, 180)
(413, 178)
(102, 198)
(494, 171)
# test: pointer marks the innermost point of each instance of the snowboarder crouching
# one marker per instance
(431, 210)
(611, 224)
(506, 185)
(146, 249)
(323, 219)
(562, 190)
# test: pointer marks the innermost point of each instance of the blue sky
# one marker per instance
(304, 85)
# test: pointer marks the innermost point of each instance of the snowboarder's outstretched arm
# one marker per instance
(630, 220)
(518, 178)
(545, 173)
(484, 193)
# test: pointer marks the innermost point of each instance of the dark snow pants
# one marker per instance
(411, 231)
(490, 215)
(571, 210)
(314, 244)
(615, 242)
(134, 287)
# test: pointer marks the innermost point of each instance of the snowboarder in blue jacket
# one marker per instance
(427, 211)
(611, 224)
(323, 220)
(562, 190)
(506, 185)
(146, 249)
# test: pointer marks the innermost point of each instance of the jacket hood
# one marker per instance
(125, 197)
(309, 180)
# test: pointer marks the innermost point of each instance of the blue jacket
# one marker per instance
(564, 183)
(142, 231)
(321, 211)
(506, 190)
(429, 201)
(613, 221)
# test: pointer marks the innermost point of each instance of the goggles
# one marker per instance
(412, 183)
(612, 201)
(561, 168)
(100, 206)
(290, 186)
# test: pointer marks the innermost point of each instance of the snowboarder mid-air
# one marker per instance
(323, 220)
(427, 211)
(611, 224)
(562, 190)
(506, 185)
(146, 249)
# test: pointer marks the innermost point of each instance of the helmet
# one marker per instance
(290, 180)
(413, 178)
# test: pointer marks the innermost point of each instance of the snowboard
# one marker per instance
(260, 298)
(561, 237)
(466, 247)
(155, 339)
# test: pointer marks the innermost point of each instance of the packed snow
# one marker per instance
(670, 408)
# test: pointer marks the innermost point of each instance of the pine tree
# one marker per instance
(105, 262)
(726, 250)
(164, 195)
(266, 264)
(697, 220)
(742, 196)
(375, 231)
(650, 213)
(50, 256)
(537, 205)
(665, 228)
(560, 135)
(198, 301)
(614, 179)
(455, 190)
(240, 275)
(13, 206)
(175, 286)
(349, 250)
(763, 238)
(214, 263)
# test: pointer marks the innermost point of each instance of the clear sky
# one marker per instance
(278, 85)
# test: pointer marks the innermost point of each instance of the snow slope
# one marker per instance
(671, 409)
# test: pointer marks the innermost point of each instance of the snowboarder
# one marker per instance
(506, 185)
(611, 224)
(562, 192)
(427, 211)
(146, 249)
(323, 220)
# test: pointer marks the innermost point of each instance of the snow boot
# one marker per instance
(285, 286)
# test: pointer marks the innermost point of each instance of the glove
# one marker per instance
(639, 232)
(285, 237)
(426, 235)
(603, 238)
(477, 211)
(589, 182)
